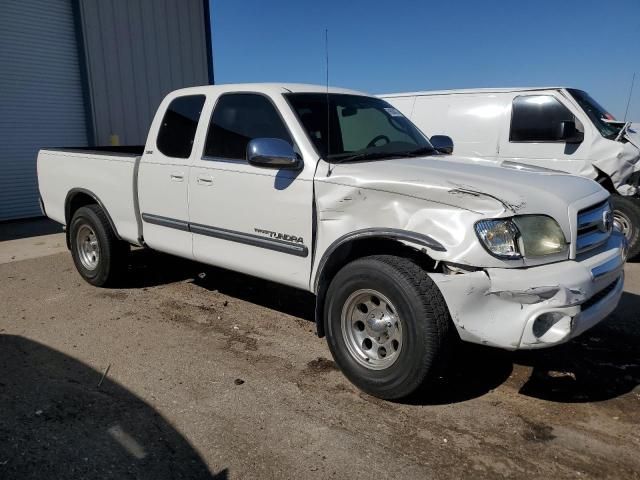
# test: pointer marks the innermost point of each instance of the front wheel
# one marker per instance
(97, 253)
(387, 325)
(626, 218)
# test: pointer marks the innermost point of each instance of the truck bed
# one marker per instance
(106, 173)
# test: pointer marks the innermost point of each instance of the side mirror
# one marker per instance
(272, 153)
(442, 143)
(568, 132)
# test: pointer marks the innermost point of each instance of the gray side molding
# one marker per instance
(165, 221)
(277, 245)
(249, 239)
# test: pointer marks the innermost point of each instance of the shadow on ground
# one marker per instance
(55, 422)
(603, 363)
(32, 227)
(148, 269)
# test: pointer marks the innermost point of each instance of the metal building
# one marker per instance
(88, 72)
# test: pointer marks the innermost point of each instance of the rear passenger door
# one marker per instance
(530, 135)
(246, 218)
(163, 178)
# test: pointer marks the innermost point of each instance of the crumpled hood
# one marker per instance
(470, 183)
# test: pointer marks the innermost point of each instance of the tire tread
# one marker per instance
(113, 250)
(436, 333)
(631, 207)
(433, 302)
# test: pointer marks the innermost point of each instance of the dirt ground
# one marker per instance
(195, 372)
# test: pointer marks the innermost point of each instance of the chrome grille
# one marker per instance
(594, 226)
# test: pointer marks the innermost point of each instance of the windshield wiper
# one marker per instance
(418, 152)
(361, 156)
(380, 155)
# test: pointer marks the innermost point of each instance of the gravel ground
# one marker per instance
(195, 372)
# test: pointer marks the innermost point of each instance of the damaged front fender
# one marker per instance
(618, 161)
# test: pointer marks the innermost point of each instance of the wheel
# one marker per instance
(97, 253)
(387, 325)
(626, 218)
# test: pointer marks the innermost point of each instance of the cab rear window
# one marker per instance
(179, 124)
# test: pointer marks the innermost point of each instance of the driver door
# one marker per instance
(247, 218)
(531, 134)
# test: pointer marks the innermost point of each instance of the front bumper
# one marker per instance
(524, 308)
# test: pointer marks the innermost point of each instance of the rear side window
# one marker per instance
(237, 119)
(178, 128)
(536, 118)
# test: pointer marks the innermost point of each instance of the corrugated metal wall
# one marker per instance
(41, 101)
(138, 51)
(76, 72)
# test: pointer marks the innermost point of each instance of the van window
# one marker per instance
(179, 124)
(239, 118)
(536, 118)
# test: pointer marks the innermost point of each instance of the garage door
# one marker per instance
(41, 102)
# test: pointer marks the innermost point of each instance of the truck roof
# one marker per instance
(270, 88)
(468, 90)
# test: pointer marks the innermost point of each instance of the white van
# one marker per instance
(552, 127)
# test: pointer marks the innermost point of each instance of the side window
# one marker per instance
(357, 124)
(178, 128)
(239, 118)
(536, 118)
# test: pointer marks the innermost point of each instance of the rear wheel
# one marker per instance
(97, 253)
(626, 218)
(387, 325)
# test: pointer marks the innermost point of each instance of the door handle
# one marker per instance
(204, 180)
(177, 177)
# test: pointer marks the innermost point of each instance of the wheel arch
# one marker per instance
(366, 242)
(80, 197)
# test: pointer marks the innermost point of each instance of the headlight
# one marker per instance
(540, 235)
(526, 235)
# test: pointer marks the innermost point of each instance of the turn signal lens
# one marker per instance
(500, 237)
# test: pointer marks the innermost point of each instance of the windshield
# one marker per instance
(358, 127)
(597, 114)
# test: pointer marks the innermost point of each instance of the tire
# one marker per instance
(417, 306)
(97, 253)
(626, 216)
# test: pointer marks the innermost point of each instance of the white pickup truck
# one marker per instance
(335, 192)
